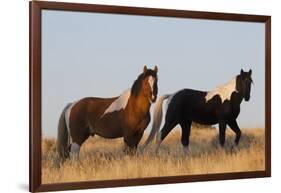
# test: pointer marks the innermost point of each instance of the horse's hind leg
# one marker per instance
(77, 142)
(185, 127)
(222, 127)
(74, 151)
(234, 127)
(167, 128)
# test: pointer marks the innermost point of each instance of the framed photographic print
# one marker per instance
(123, 96)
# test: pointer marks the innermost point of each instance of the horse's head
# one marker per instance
(147, 83)
(244, 84)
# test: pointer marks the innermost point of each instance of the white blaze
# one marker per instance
(223, 91)
(119, 103)
(151, 80)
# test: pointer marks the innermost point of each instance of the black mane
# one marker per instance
(138, 82)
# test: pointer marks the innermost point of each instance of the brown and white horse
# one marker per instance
(124, 116)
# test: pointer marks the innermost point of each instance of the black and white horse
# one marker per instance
(221, 106)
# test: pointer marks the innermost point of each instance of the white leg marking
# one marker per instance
(74, 150)
(158, 141)
(119, 103)
(158, 138)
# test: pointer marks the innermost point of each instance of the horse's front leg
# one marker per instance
(185, 126)
(234, 127)
(133, 135)
(132, 140)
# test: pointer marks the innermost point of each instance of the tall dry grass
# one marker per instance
(103, 159)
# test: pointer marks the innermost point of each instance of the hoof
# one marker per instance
(186, 151)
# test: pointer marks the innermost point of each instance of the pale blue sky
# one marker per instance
(94, 54)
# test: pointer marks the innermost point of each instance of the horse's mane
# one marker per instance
(135, 90)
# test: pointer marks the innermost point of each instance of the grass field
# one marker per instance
(102, 159)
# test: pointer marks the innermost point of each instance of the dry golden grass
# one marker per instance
(103, 159)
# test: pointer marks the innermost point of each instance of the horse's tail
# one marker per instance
(157, 118)
(63, 138)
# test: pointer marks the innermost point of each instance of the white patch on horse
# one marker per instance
(151, 80)
(119, 103)
(225, 91)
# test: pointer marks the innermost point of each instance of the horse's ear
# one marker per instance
(156, 69)
(144, 69)
(250, 72)
(241, 71)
